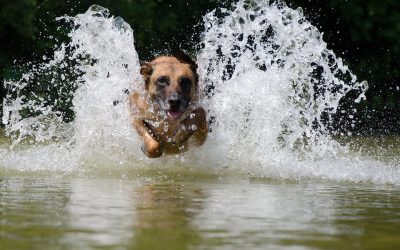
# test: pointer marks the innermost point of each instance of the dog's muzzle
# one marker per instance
(176, 105)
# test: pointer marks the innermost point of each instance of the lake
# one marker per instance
(185, 208)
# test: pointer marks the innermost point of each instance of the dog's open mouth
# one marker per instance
(174, 114)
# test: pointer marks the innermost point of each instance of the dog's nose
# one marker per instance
(174, 102)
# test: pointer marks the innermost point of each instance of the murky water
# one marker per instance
(270, 175)
(194, 211)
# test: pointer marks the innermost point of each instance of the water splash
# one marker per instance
(271, 87)
(104, 63)
(280, 63)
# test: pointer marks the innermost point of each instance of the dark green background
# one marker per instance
(365, 33)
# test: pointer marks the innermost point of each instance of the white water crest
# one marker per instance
(269, 83)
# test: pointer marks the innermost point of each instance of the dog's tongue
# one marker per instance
(174, 114)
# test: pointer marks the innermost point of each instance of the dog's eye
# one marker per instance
(163, 80)
(185, 83)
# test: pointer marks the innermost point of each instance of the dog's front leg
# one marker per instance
(151, 147)
(201, 132)
(195, 124)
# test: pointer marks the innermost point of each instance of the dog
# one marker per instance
(166, 114)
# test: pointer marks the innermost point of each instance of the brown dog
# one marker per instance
(166, 114)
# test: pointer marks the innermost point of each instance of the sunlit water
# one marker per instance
(270, 174)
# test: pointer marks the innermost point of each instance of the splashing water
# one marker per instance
(272, 87)
(102, 48)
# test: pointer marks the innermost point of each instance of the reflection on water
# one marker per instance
(164, 216)
(76, 213)
(33, 212)
(100, 213)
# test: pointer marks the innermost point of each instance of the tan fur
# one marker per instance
(161, 134)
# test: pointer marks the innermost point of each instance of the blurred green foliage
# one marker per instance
(365, 33)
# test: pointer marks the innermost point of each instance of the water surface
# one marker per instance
(166, 210)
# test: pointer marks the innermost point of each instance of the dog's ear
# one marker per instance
(183, 58)
(146, 70)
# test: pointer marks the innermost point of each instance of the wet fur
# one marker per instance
(150, 109)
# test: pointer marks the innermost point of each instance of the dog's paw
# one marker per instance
(153, 150)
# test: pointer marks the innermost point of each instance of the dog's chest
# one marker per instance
(164, 130)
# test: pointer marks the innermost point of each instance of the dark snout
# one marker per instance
(176, 105)
(176, 102)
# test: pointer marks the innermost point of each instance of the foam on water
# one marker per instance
(270, 85)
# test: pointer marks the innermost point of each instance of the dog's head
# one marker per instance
(171, 82)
